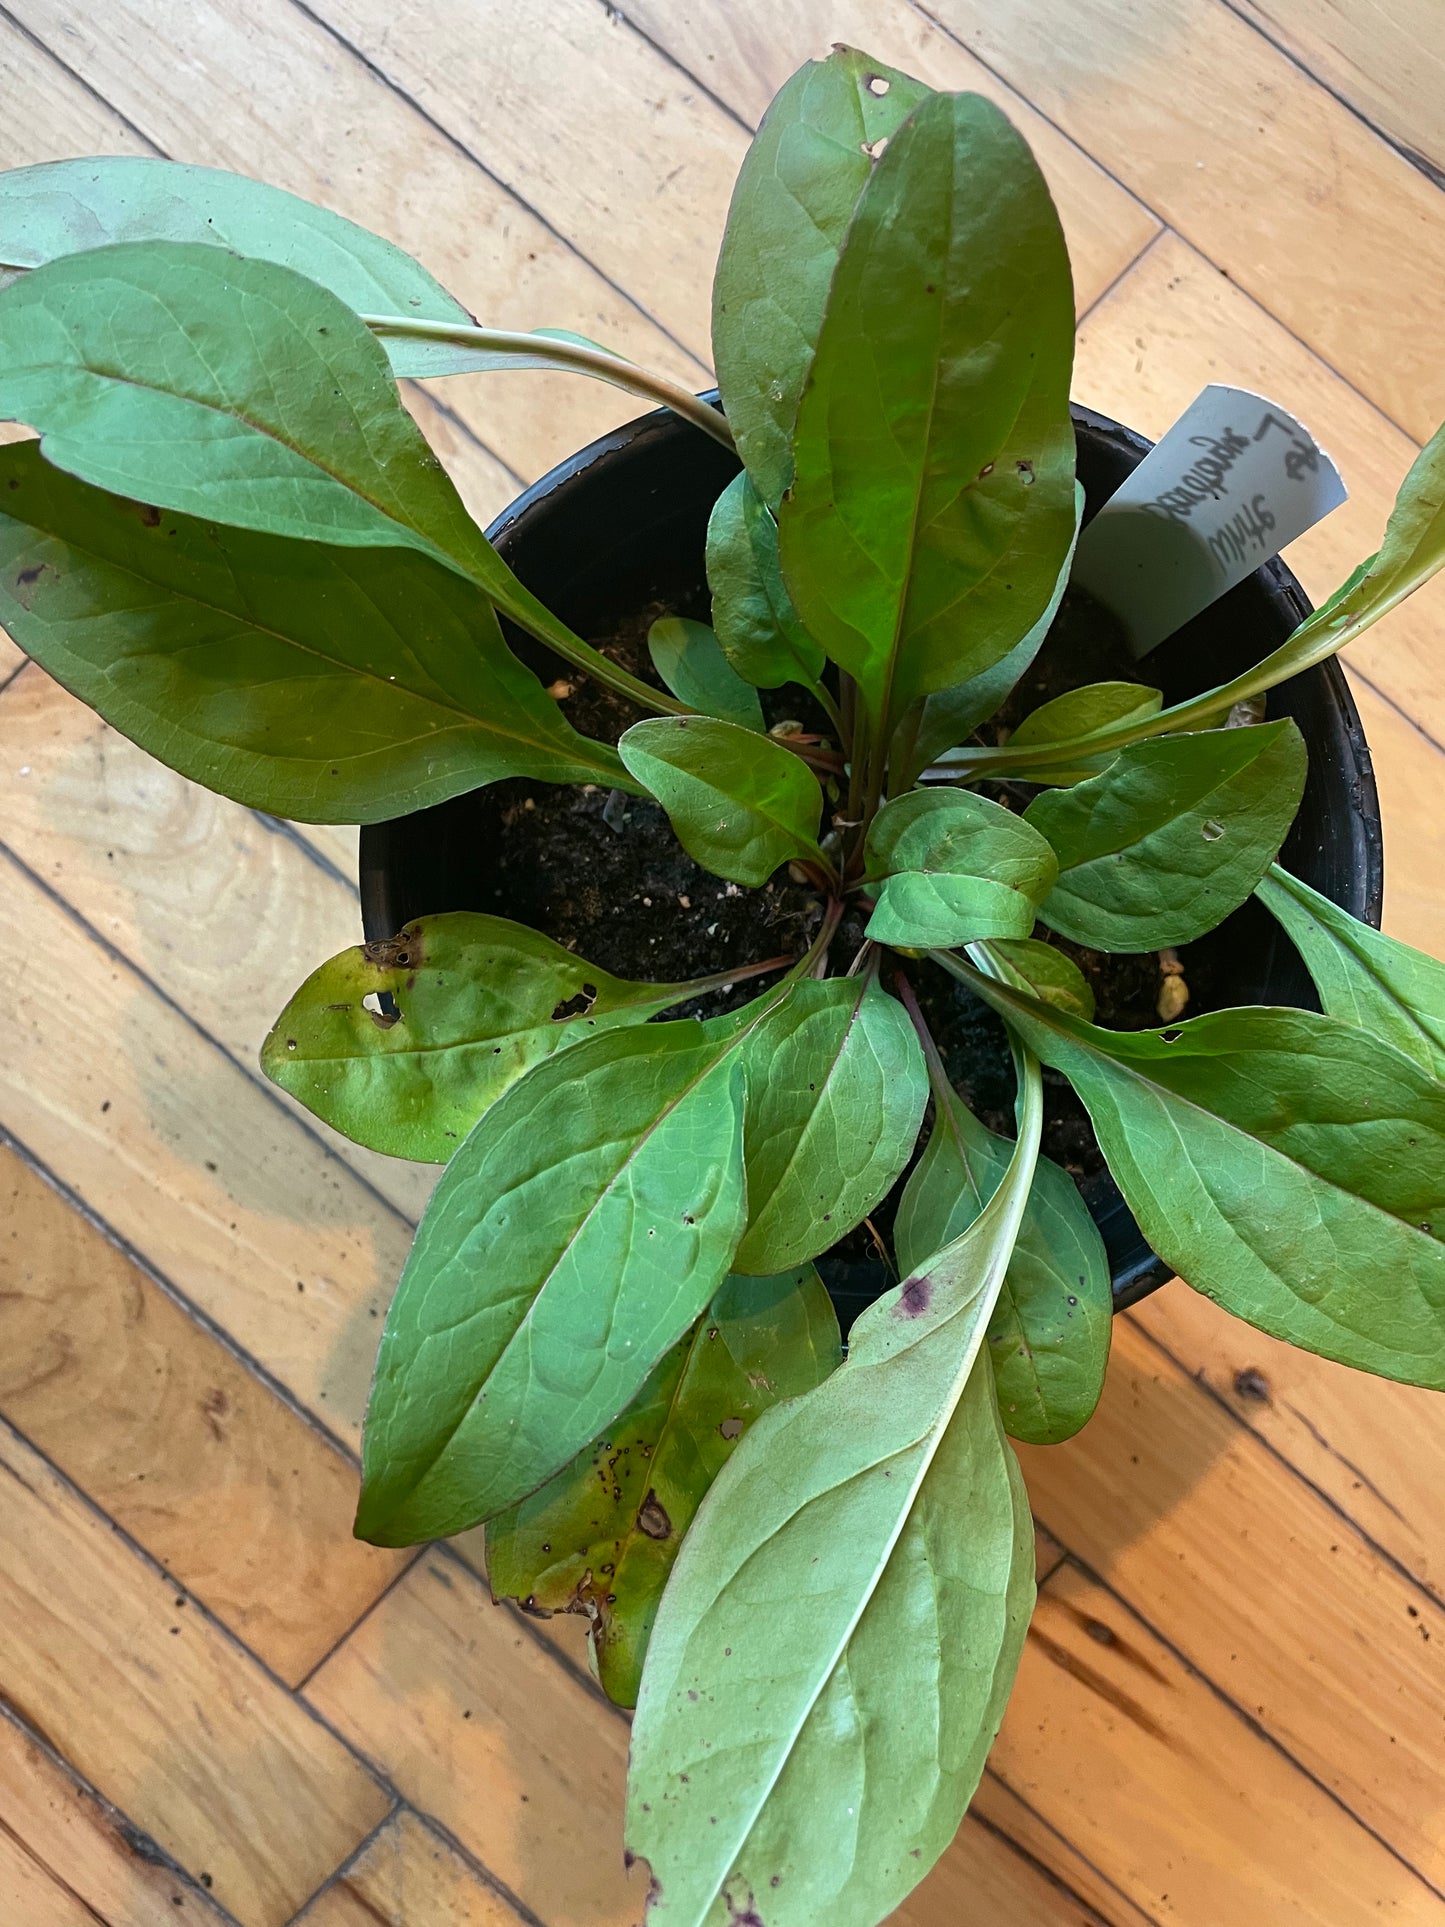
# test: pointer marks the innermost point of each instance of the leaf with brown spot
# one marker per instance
(570, 1548)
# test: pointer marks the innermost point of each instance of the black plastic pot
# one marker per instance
(621, 525)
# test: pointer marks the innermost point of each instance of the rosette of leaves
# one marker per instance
(610, 1342)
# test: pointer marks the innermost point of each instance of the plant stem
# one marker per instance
(725, 979)
(565, 354)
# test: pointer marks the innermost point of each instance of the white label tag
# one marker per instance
(1233, 481)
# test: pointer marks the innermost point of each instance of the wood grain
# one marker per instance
(999, 1806)
(179, 879)
(744, 55)
(1175, 323)
(162, 1712)
(408, 1876)
(475, 1722)
(47, 115)
(1227, 141)
(29, 1893)
(1174, 1797)
(1261, 1586)
(118, 1871)
(243, 1501)
(1385, 59)
(192, 1163)
(311, 118)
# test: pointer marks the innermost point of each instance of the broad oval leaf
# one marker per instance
(1288, 1165)
(833, 1654)
(403, 1043)
(1172, 836)
(573, 1239)
(951, 715)
(954, 867)
(836, 1089)
(336, 685)
(1049, 1334)
(1362, 975)
(758, 628)
(687, 657)
(227, 388)
(69, 207)
(933, 502)
(740, 803)
(791, 205)
(1094, 706)
(602, 1537)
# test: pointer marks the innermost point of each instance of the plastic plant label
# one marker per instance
(1233, 481)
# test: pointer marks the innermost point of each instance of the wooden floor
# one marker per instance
(216, 1706)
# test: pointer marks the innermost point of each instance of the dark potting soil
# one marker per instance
(602, 873)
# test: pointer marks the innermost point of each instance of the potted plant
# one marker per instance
(870, 785)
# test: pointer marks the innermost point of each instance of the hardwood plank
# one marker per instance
(1001, 1807)
(191, 1163)
(1260, 1585)
(166, 1431)
(45, 113)
(226, 914)
(1175, 323)
(408, 1876)
(1277, 183)
(616, 150)
(1410, 773)
(162, 1712)
(744, 54)
(983, 1877)
(311, 118)
(1173, 1796)
(476, 1724)
(28, 1893)
(1387, 60)
(115, 1868)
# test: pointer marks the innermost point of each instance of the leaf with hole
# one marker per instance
(70, 207)
(601, 1537)
(1362, 975)
(740, 803)
(791, 206)
(933, 503)
(336, 685)
(1049, 1334)
(1172, 836)
(403, 1043)
(687, 657)
(1288, 1165)
(757, 626)
(810, 1765)
(532, 1309)
(951, 867)
(836, 1089)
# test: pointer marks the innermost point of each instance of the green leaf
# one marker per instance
(436, 359)
(330, 684)
(1287, 1165)
(835, 1095)
(687, 657)
(1173, 836)
(574, 1238)
(1049, 1335)
(402, 1044)
(601, 1538)
(1045, 972)
(954, 867)
(933, 503)
(1362, 975)
(740, 803)
(236, 390)
(69, 207)
(757, 625)
(833, 1654)
(1094, 706)
(950, 716)
(791, 206)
